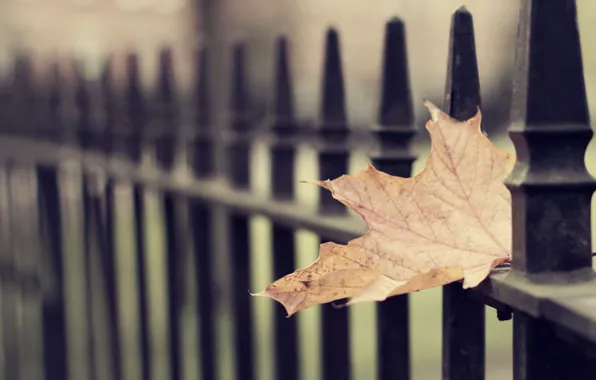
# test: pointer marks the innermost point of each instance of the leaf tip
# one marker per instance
(370, 166)
(435, 112)
(291, 301)
(262, 293)
(313, 182)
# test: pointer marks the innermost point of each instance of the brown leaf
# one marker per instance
(450, 222)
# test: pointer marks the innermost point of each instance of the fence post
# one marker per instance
(394, 132)
(284, 129)
(333, 162)
(550, 187)
(463, 316)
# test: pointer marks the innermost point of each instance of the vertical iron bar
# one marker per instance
(463, 316)
(239, 151)
(54, 324)
(108, 263)
(333, 162)
(10, 302)
(28, 269)
(104, 213)
(101, 249)
(214, 31)
(91, 312)
(240, 247)
(174, 225)
(201, 219)
(55, 353)
(394, 132)
(164, 133)
(126, 134)
(551, 189)
(284, 130)
(75, 271)
(142, 285)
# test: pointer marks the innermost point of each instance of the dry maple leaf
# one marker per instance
(450, 222)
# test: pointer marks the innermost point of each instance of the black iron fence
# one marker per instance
(63, 187)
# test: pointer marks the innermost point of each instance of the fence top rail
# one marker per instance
(558, 298)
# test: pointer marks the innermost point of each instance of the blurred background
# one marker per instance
(90, 31)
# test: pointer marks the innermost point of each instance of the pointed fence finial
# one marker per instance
(333, 108)
(202, 159)
(82, 99)
(284, 109)
(396, 116)
(550, 186)
(107, 86)
(462, 91)
(333, 131)
(107, 95)
(284, 128)
(396, 101)
(83, 106)
(53, 124)
(202, 88)
(166, 91)
(23, 96)
(162, 133)
(134, 95)
(131, 133)
(238, 170)
(239, 97)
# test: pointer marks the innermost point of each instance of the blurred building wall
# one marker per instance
(90, 29)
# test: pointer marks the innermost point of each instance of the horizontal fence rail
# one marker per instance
(89, 166)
